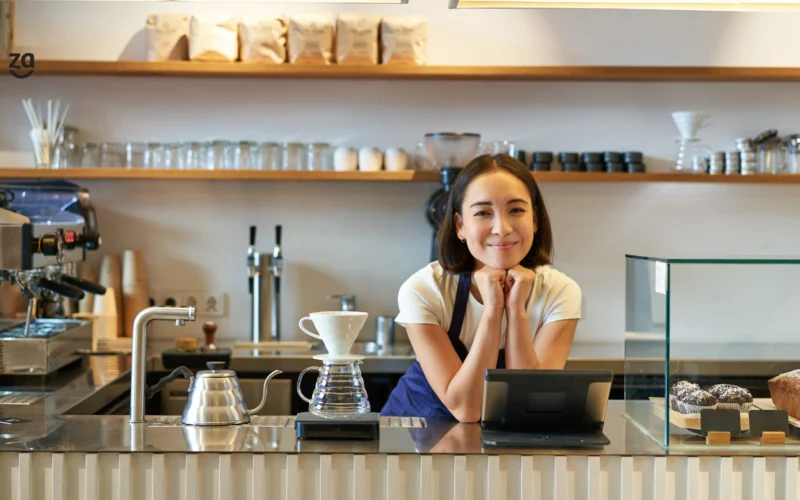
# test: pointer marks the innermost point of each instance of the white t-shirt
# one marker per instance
(429, 296)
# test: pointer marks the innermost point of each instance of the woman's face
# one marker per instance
(497, 220)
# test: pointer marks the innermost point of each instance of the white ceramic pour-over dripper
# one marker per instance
(337, 329)
(689, 122)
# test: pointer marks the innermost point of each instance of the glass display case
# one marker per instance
(711, 346)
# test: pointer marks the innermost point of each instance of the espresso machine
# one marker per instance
(46, 228)
(450, 152)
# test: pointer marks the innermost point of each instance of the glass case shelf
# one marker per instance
(686, 318)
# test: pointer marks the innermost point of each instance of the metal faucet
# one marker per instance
(176, 314)
(254, 274)
(348, 301)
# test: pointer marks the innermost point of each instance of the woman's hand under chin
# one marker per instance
(518, 285)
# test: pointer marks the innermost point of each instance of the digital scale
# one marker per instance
(365, 426)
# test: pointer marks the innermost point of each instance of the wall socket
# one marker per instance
(207, 304)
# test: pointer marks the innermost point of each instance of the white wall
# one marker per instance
(366, 238)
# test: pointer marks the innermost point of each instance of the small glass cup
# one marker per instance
(319, 156)
(90, 155)
(134, 154)
(154, 155)
(112, 155)
(194, 155)
(270, 156)
(293, 156)
(220, 155)
(246, 156)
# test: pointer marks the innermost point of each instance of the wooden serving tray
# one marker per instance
(691, 421)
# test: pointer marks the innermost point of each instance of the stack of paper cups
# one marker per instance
(111, 277)
(87, 272)
(135, 287)
(104, 320)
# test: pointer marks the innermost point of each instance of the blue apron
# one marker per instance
(413, 396)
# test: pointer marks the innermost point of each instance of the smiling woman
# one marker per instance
(492, 300)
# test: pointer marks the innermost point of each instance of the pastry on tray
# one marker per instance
(785, 392)
(732, 397)
(691, 400)
(678, 387)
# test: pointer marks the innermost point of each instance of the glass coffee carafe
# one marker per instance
(340, 392)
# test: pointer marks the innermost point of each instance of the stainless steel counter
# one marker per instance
(83, 389)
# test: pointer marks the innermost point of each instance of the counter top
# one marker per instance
(62, 420)
(276, 434)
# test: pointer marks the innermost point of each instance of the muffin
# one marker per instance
(678, 387)
(694, 400)
(732, 397)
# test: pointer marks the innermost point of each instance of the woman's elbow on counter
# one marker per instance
(466, 415)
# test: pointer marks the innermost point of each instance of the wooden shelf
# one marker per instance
(380, 72)
(405, 176)
(121, 173)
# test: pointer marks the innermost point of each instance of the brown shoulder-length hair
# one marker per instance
(454, 256)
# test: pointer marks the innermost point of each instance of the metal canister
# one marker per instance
(384, 331)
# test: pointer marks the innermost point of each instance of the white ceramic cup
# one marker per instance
(395, 159)
(345, 159)
(337, 329)
(370, 159)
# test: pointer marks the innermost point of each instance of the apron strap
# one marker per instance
(460, 308)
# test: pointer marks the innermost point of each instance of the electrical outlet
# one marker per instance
(207, 304)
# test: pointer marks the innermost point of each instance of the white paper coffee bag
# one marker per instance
(311, 39)
(357, 38)
(263, 40)
(211, 40)
(167, 37)
(404, 40)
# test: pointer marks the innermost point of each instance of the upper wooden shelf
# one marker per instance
(380, 72)
(120, 173)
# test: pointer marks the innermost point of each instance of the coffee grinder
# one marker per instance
(450, 152)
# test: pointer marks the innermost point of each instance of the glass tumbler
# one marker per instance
(339, 392)
(319, 156)
(246, 156)
(112, 155)
(294, 156)
(270, 156)
(154, 155)
(134, 154)
(90, 156)
(220, 155)
(194, 155)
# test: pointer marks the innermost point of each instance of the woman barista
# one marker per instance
(492, 300)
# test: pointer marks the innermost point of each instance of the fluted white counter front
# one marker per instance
(104, 457)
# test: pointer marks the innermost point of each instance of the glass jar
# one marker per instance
(134, 154)
(220, 155)
(270, 156)
(246, 156)
(172, 156)
(195, 155)
(112, 155)
(318, 156)
(90, 156)
(294, 156)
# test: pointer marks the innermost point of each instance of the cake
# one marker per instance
(732, 397)
(785, 392)
(694, 400)
(678, 387)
